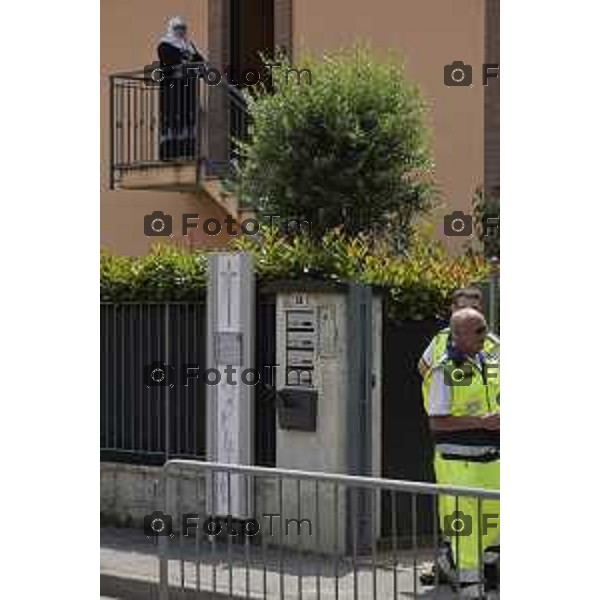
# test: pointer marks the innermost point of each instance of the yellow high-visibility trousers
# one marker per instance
(459, 519)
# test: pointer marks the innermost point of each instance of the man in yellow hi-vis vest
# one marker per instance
(461, 298)
(464, 417)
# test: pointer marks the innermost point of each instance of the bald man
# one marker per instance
(469, 297)
(464, 418)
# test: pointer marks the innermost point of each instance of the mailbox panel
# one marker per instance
(297, 409)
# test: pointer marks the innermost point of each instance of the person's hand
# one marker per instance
(492, 422)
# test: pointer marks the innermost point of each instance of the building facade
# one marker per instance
(425, 35)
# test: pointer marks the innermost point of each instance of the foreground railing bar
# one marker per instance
(349, 480)
(436, 541)
(457, 538)
(318, 528)
(197, 540)
(374, 539)
(263, 554)
(353, 517)
(298, 502)
(163, 567)
(336, 525)
(229, 556)
(181, 553)
(395, 541)
(480, 547)
(413, 507)
(247, 537)
(280, 545)
(213, 538)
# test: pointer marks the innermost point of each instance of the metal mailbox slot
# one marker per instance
(301, 340)
(301, 319)
(300, 358)
(297, 409)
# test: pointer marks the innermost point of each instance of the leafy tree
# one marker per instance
(349, 148)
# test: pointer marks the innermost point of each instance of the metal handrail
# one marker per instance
(135, 125)
(350, 480)
(135, 76)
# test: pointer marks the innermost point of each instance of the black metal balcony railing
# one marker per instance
(177, 122)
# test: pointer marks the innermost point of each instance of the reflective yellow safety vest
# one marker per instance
(439, 344)
(474, 390)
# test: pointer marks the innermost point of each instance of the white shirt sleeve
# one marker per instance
(440, 399)
(427, 356)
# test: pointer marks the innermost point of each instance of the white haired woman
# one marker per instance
(178, 94)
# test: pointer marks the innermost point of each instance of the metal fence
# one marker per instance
(143, 419)
(145, 423)
(299, 535)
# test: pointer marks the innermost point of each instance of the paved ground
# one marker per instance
(253, 572)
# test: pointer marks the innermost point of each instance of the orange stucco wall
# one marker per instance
(129, 33)
(425, 35)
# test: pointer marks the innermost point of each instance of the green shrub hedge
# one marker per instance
(419, 281)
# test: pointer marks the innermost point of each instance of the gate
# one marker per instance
(146, 421)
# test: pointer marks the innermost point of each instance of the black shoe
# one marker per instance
(444, 567)
(491, 568)
(428, 578)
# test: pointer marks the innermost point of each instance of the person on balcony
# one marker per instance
(178, 92)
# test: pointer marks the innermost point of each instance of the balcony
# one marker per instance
(174, 135)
